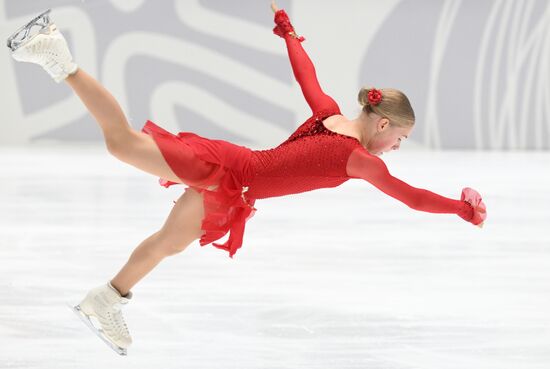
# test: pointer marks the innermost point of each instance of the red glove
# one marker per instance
(284, 26)
(478, 211)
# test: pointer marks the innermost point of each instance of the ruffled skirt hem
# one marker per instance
(217, 169)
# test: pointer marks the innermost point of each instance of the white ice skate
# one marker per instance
(40, 42)
(102, 304)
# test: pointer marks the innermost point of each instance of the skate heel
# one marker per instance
(50, 29)
(86, 307)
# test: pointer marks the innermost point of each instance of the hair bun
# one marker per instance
(389, 103)
(362, 97)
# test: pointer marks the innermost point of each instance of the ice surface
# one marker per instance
(338, 278)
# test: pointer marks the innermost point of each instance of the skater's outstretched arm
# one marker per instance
(303, 68)
(361, 164)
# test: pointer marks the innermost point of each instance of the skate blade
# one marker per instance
(98, 332)
(28, 31)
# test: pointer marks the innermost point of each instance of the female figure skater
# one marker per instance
(224, 179)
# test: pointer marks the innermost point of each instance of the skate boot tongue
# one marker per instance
(117, 320)
(124, 298)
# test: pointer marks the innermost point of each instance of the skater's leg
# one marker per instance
(49, 50)
(135, 148)
(103, 302)
(101, 105)
(180, 229)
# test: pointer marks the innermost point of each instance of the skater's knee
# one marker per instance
(118, 143)
(172, 248)
(171, 244)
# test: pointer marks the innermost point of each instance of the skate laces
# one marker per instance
(115, 316)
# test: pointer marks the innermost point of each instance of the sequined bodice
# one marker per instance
(312, 157)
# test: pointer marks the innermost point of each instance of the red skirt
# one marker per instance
(220, 171)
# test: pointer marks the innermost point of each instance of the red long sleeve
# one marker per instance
(371, 168)
(303, 68)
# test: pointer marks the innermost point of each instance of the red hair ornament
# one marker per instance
(374, 96)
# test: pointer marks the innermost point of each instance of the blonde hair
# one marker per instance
(394, 105)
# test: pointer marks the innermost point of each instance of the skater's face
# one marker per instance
(388, 137)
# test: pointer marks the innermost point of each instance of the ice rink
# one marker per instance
(334, 279)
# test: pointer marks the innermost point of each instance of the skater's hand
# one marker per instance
(283, 27)
(480, 210)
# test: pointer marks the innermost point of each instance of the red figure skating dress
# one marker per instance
(232, 177)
